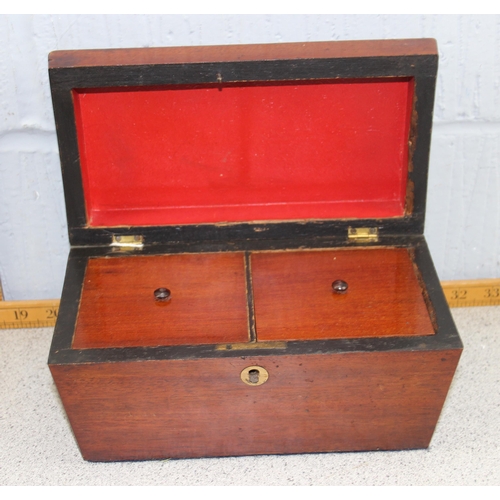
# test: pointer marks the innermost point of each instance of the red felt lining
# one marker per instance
(244, 152)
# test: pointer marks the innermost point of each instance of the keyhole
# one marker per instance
(253, 376)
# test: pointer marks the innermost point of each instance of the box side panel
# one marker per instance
(201, 407)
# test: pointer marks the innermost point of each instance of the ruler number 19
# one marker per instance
(21, 314)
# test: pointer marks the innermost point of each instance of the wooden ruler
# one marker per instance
(28, 313)
(43, 313)
(470, 293)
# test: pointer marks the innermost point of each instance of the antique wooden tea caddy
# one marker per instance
(248, 272)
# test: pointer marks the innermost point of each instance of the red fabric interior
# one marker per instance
(246, 152)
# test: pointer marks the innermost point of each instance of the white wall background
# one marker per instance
(463, 215)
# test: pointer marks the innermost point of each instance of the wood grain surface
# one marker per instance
(262, 52)
(118, 309)
(294, 298)
(310, 403)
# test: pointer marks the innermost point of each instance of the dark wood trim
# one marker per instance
(234, 234)
(406, 240)
(439, 309)
(419, 161)
(247, 71)
(250, 301)
(309, 50)
(69, 305)
(64, 115)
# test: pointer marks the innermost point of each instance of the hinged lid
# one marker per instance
(207, 143)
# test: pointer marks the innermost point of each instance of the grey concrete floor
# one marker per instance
(38, 448)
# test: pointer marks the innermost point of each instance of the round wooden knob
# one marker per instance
(339, 286)
(162, 294)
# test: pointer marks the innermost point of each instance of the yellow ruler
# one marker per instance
(43, 313)
(28, 313)
(470, 293)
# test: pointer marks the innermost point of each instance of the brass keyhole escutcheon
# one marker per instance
(254, 375)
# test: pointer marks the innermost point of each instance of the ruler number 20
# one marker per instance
(51, 313)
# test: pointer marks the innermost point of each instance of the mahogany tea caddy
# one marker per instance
(248, 272)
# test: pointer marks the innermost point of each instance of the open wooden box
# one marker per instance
(248, 272)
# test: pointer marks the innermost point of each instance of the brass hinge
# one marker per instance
(127, 241)
(363, 234)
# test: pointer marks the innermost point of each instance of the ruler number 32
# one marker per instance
(458, 294)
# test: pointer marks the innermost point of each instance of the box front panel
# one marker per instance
(309, 403)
